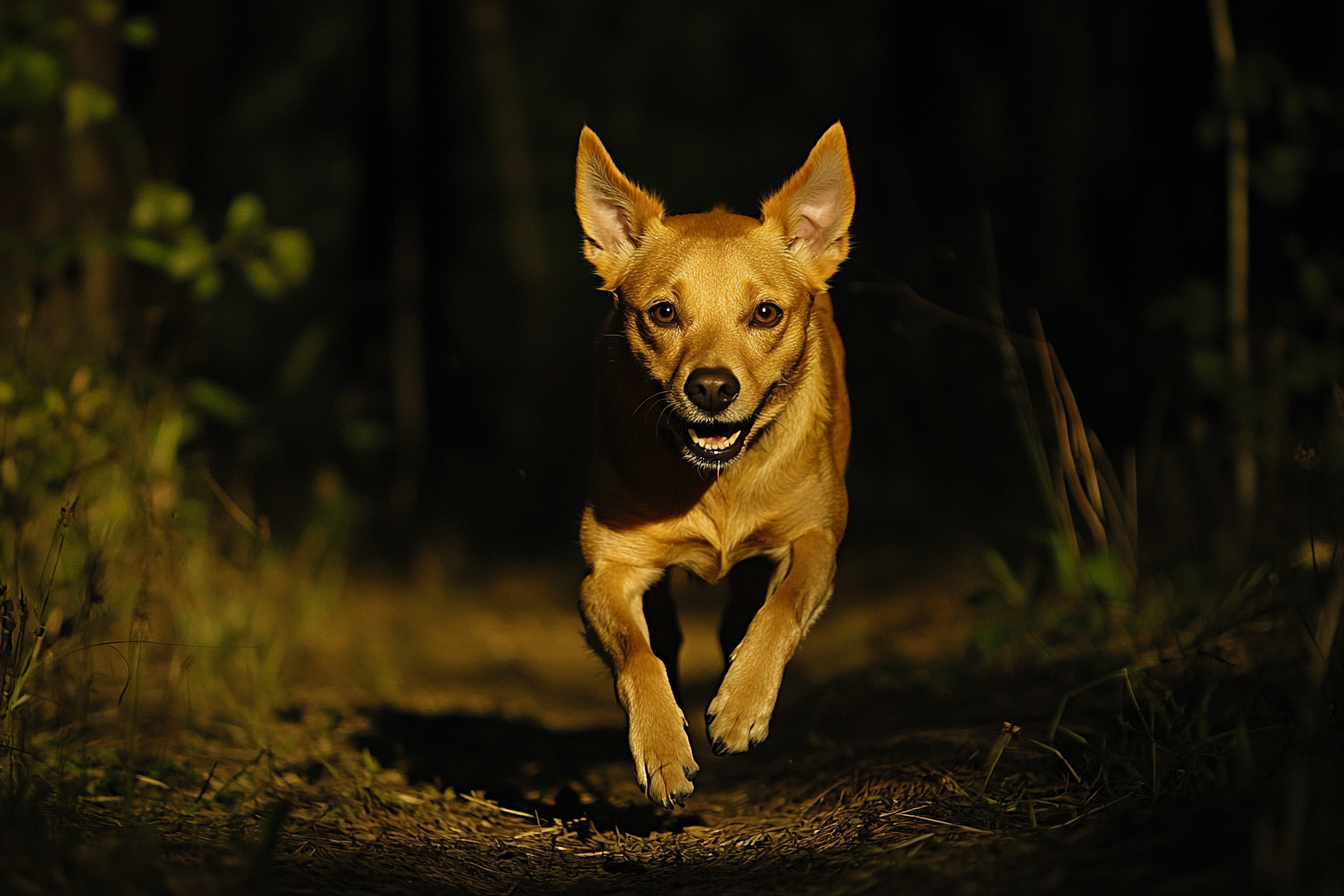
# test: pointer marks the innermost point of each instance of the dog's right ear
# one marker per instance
(614, 211)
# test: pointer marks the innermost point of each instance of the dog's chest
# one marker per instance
(713, 539)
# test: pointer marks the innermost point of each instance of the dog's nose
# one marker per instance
(712, 389)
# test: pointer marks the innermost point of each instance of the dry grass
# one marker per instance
(828, 818)
(491, 759)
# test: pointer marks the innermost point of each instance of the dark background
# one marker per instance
(442, 342)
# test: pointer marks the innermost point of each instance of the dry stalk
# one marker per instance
(1238, 248)
(996, 753)
(1068, 428)
(1084, 473)
(1077, 432)
(1119, 504)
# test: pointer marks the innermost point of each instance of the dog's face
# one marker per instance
(716, 310)
(717, 305)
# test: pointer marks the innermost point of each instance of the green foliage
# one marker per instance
(87, 103)
(131, 577)
(218, 402)
(272, 260)
(105, 531)
(139, 31)
(1081, 605)
(35, 40)
(29, 78)
(88, 472)
(1290, 126)
(1291, 123)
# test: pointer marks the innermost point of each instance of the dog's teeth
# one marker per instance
(713, 443)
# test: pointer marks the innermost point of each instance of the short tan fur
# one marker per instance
(723, 433)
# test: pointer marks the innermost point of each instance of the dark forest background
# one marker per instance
(296, 412)
(436, 360)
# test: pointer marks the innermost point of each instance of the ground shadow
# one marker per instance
(516, 762)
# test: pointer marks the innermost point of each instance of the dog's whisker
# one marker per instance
(652, 398)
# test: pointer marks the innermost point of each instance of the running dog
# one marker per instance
(723, 432)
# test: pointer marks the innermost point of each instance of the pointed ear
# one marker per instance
(614, 211)
(812, 210)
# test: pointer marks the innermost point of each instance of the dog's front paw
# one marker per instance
(664, 763)
(739, 716)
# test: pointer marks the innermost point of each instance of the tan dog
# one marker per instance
(723, 431)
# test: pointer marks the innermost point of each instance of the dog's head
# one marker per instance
(716, 305)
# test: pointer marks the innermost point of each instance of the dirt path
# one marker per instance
(444, 737)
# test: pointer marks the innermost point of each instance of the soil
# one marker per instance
(452, 734)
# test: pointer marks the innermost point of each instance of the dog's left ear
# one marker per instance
(812, 211)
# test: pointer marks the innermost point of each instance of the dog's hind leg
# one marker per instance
(612, 603)
(739, 715)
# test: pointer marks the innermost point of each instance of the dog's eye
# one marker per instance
(767, 314)
(664, 314)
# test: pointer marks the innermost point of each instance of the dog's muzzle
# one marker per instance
(711, 441)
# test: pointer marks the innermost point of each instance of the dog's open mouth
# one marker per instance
(715, 443)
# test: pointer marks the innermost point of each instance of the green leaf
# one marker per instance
(175, 205)
(145, 250)
(86, 103)
(144, 213)
(1107, 574)
(1066, 565)
(190, 257)
(246, 212)
(291, 255)
(56, 406)
(160, 204)
(139, 31)
(29, 77)
(1007, 581)
(173, 429)
(219, 402)
(262, 278)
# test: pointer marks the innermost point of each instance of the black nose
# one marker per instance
(712, 389)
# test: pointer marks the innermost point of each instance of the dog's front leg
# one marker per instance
(739, 715)
(612, 606)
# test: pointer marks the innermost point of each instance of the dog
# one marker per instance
(723, 433)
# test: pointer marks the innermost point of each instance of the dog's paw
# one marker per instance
(664, 763)
(739, 716)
